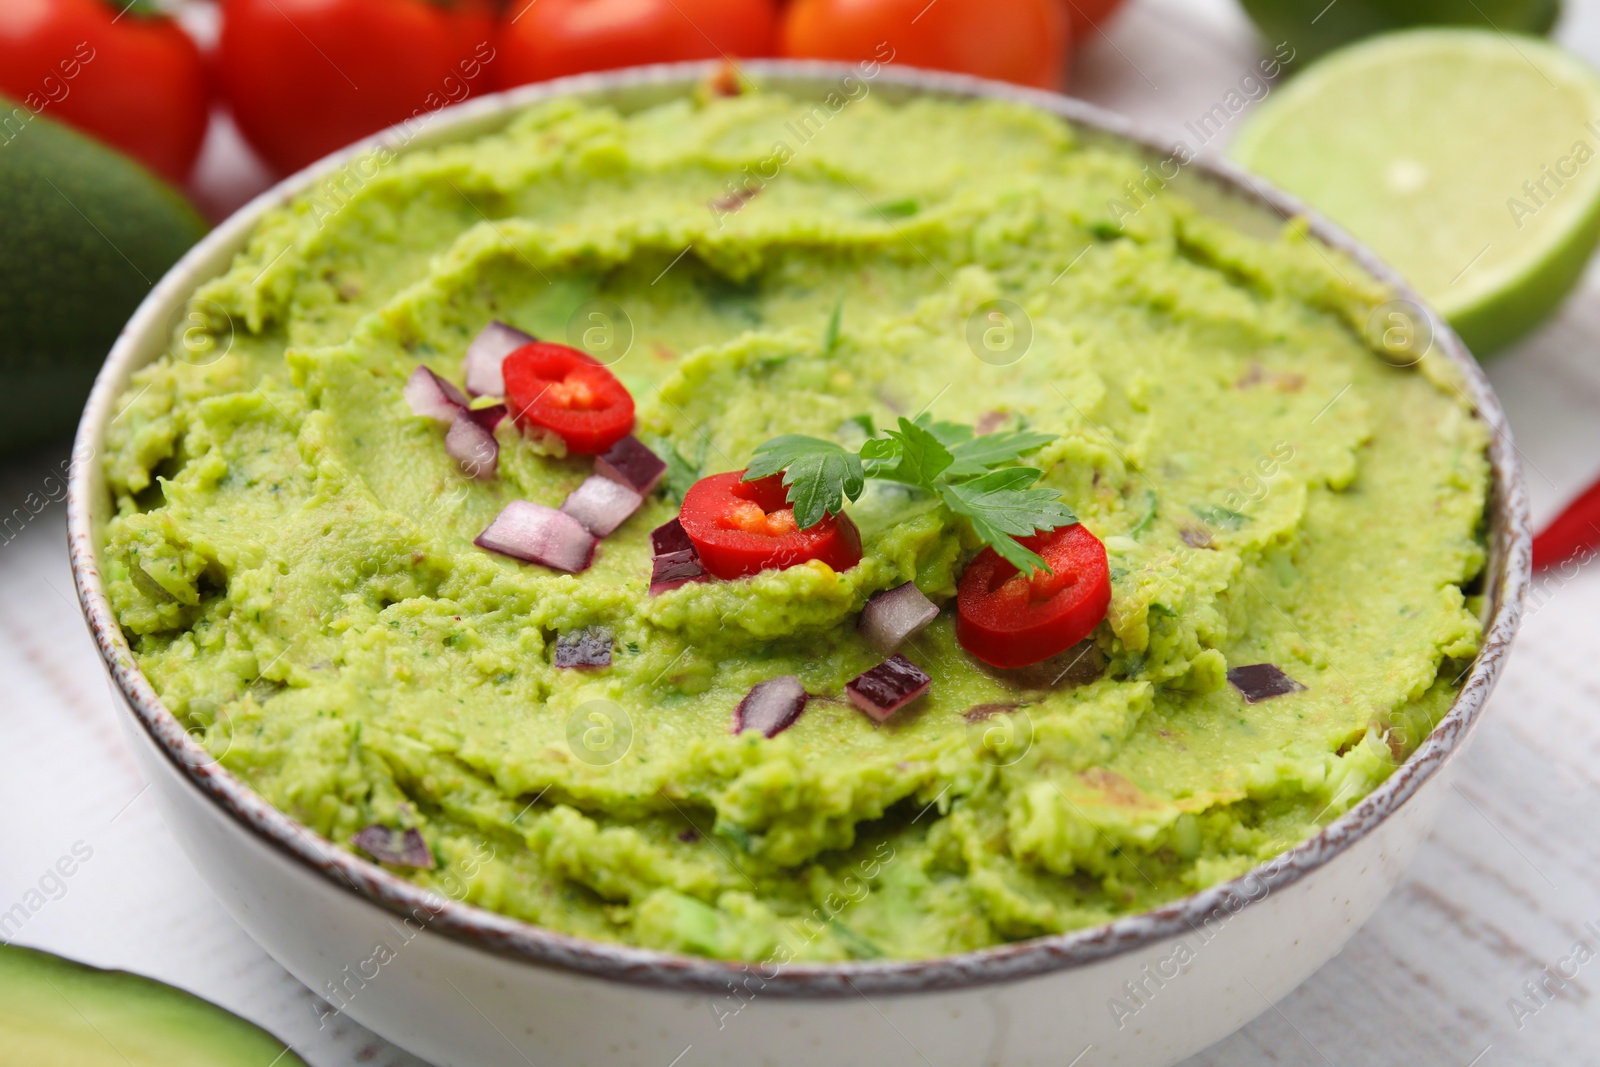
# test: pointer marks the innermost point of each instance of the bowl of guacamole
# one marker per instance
(790, 553)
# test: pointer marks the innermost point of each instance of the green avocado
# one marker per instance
(87, 233)
(1314, 27)
(57, 1013)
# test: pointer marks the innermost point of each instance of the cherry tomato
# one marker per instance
(1084, 15)
(133, 79)
(560, 389)
(1023, 41)
(549, 38)
(305, 77)
(740, 528)
(1008, 619)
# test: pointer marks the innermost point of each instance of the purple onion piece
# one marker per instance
(1078, 665)
(601, 504)
(674, 569)
(730, 204)
(402, 848)
(489, 417)
(982, 712)
(670, 537)
(676, 563)
(894, 615)
(888, 687)
(1262, 681)
(771, 706)
(487, 351)
(632, 464)
(431, 397)
(989, 422)
(473, 447)
(533, 532)
(588, 647)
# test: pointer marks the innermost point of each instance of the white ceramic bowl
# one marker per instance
(464, 987)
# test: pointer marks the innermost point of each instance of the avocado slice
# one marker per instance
(57, 1013)
(87, 232)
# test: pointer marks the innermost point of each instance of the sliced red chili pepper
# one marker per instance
(563, 390)
(740, 528)
(1009, 619)
(1572, 534)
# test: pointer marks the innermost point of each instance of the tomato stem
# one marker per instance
(142, 8)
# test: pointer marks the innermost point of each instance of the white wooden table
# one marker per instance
(1502, 890)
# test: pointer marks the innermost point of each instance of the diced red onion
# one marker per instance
(533, 532)
(676, 562)
(1079, 665)
(894, 615)
(1262, 681)
(489, 417)
(989, 422)
(670, 537)
(734, 201)
(601, 504)
(472, 446)
(674, 569)
(432, 397)
(981, 712)
(888, 687)
(487, 351)
(403, 848)
(631, 463)
(588, 647)
(771, 706)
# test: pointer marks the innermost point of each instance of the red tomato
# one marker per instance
(548, 38)
(740, 528)
(1023, 41)
(1008, 619)
(1084, 15)
(305, 77)
(134, 80)
(560, 389)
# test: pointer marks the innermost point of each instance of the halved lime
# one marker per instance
(1313, 27)
(1469, 160)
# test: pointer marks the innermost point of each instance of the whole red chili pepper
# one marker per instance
(1574, 532)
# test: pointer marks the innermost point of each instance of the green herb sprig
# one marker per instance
(971, 474)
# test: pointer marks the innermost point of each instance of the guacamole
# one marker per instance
(291, 553)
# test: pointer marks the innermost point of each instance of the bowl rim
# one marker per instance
(1507, 573)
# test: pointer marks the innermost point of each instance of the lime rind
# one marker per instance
(1316, 27)
(1469, 160)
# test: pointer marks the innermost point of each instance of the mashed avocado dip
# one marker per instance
(292, 551)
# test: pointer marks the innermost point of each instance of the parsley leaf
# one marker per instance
(950, 434)
(903, 208)
(1225, 518)
(1001, 507)
(910, 454)
(820, 474)
(830, 337)
(778, 453)
(980, 454)
(967, 472)
(817, 481)
(681, 474)
(1149, 515)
